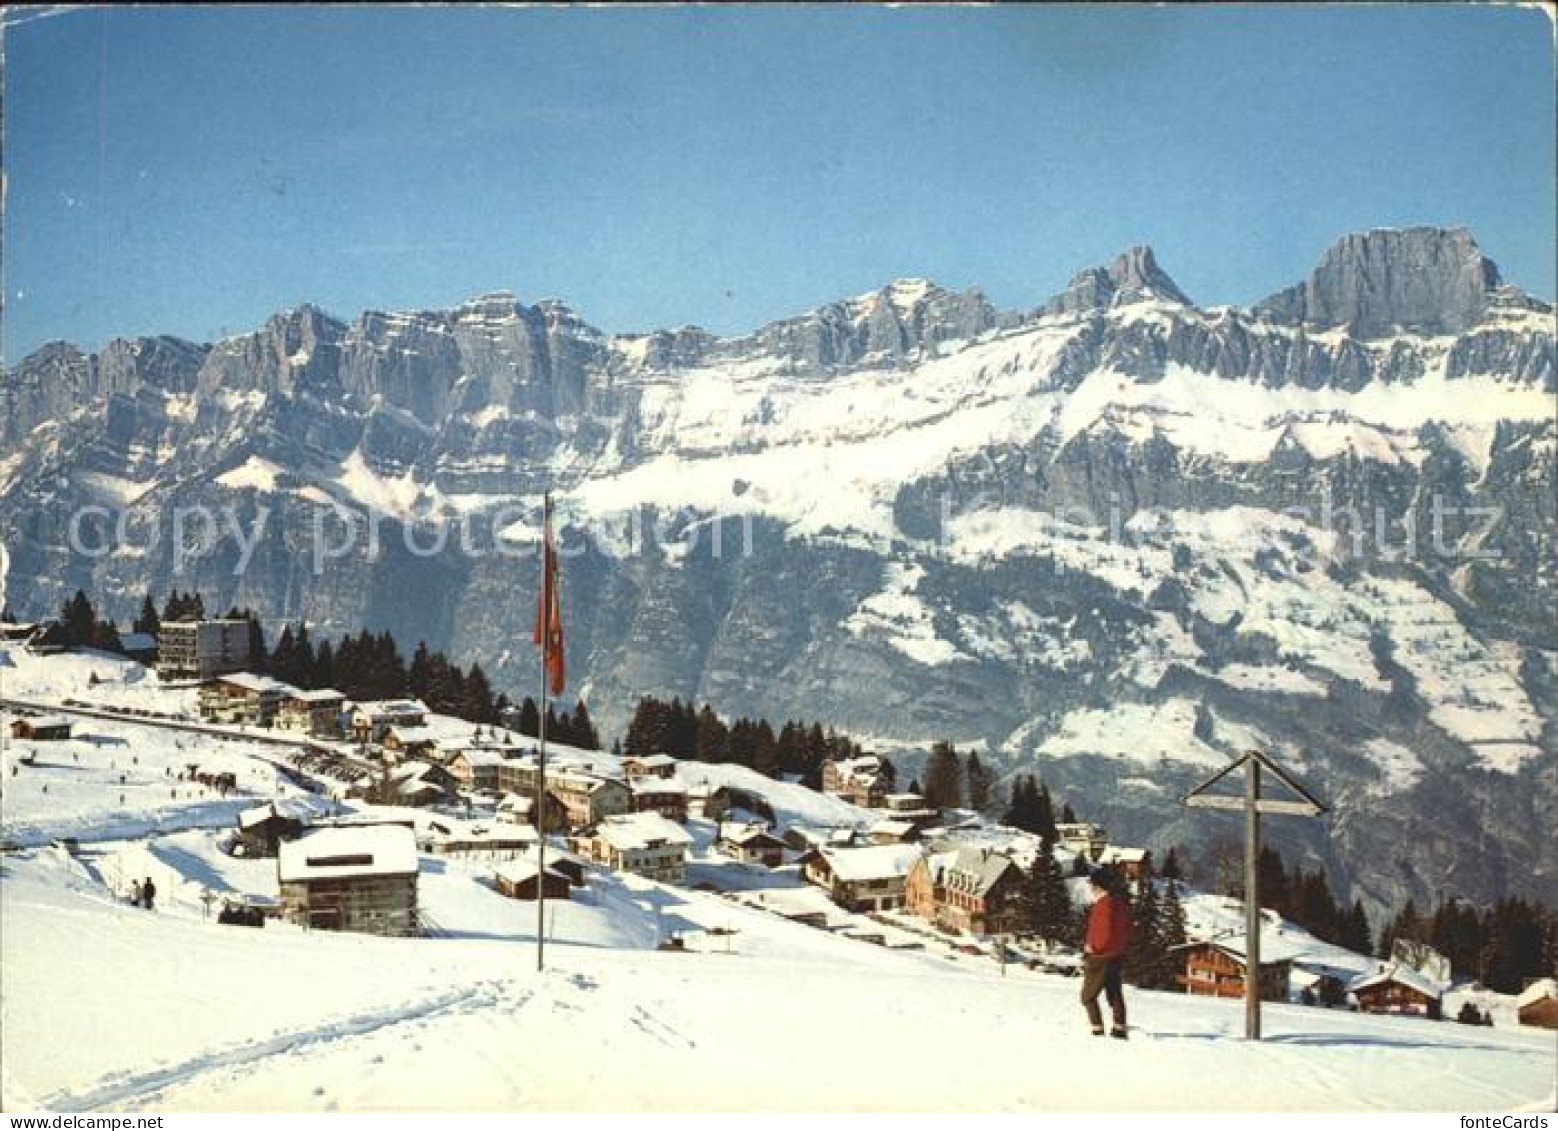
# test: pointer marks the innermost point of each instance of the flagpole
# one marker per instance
(540, 802)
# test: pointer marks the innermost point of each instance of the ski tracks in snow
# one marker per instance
(125, 1090)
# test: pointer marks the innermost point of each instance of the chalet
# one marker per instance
(567, 863)
(589, 798)
(312, 712)
(665, 796)
(967, 889)
(371, 721)
(865, 780)
(523, 879)
(477, 768)
(1538, 1004)
(893, 831)
(861, 879)
(1131, 863)
(410, 741)
(262, 829)
(1397, 988)
(351, 878)
(41, 728)
(751, 844)
(243, 698)
(1215, 968)
(420, 783)
(1083, 838)
(447, 836)
(644, 843)
(908, 807)
(649, 766)
(519, 809)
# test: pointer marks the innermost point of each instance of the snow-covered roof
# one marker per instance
(1272, 949)
(1402, 976)
(975, 870)
(657, 785)
(876, 862)
(1536, 991)
(641, 830)
(651, 761)
(362, 850)
(321, 695)
(412, 735)
(524, 869)
(746, 834)
(258, 815)
(259, 684)
(1114, 854)
(891, 827)
(480, 756)
(389, 708)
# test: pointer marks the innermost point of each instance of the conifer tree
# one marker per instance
(148, 622)
(943, 777)
(979, 781)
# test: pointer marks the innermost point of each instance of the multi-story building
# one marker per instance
(643, 843)
(202, 649)
(361, 878)
(243, 698)
(313, 712)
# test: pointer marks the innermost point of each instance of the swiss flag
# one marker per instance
(549, 611)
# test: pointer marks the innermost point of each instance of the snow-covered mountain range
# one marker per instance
(1115, 537)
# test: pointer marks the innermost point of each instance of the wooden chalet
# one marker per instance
(649, 766)
(262, 830)
(751, 844)
(1397, 989)
(312, 712)
(1215, 968)
(654, 794)
(1537, 1004)
(870, 878)
(243, 698)
(351, 878)
(522, 879)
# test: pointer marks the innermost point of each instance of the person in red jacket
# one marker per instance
(1108, 937)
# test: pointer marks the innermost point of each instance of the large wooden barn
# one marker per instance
(351, 878)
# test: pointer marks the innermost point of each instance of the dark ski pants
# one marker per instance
(1102, 976)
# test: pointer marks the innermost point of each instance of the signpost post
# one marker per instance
(1253, 804)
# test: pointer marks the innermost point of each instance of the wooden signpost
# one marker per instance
(1252, 804)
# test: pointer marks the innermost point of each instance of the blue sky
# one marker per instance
(191, 171)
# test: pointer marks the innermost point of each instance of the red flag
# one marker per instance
(549, 610)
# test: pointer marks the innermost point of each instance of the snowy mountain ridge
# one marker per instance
(1113, 538)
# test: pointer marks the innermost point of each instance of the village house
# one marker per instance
(589, 798)
(865, 780)
(649, 766)
(893, 831)
(1131, 863)
(351, 878)
(643, 843)
(862, 879)
(41, 728)
(1537, 1004)
(665, 796)
(1083, 838)
(421, 783)
(1215, 968)
(370, 721)
(477, 768)
(202, 649)
(411, 741)
(1397, 988)
(751, 844)
(312, 712)
(975, 890)
(908, 807)
(519, 809)
(522, 879)
(262, 829)
(447, 836)
(243, 698)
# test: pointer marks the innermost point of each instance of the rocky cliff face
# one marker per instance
(1115, 540)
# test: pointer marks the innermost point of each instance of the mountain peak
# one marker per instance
(1134, 274)
(1380, 281)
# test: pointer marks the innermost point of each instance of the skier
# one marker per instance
(148, 893)
(1108, 937)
